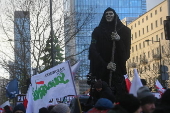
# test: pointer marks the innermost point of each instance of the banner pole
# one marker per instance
(75, 87)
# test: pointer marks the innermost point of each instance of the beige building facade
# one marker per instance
(149, 48)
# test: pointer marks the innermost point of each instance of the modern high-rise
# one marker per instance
(22, 45)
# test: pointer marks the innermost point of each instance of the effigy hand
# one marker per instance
(115, 36)
(111, 66)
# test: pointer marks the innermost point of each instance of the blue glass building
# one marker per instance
(124, 8)
(22, 48)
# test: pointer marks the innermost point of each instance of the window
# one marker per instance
(135, 35)
(148, 43)
(163, 51)
(146, 17)
(138, 22)
(139, 45)
(162, 36)
(148, 54)
(136, 47)
(140, 57)
(151, 26)
(132, 36)
(155, 12)
(147, 29)
(132, 49)
(152, 40)
(143, 30)
(157, 50)
(161, 21)
(144, 44)
(133, 59)
(151, 15)
(156, 23)
(135, 24)
(142, 20)
(160, 9)
(136, 58)
(139, 32)
(157, 38)
(152, 52)
(131, 27)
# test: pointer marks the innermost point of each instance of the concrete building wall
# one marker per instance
(145, 55)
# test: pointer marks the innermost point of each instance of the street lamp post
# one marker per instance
(160, 58)
(52, 36)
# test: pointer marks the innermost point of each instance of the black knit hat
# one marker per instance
(98, 84)
(129, 102)
(19, 107)
(165, 99)
(6, 107)
(43, 110)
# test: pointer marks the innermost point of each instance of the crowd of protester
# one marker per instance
(104, 102)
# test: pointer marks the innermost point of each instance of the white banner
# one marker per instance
(54, 83)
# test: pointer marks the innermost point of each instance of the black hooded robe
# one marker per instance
(100, 51)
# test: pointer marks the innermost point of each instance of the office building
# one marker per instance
(149, 48)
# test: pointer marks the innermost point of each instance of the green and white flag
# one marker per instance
(56, 82)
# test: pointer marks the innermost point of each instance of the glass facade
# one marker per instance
(124, 8)
(22, 38)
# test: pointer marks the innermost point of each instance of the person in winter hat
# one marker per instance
(102, 105)
(147, 99)
(60, 108)
(43, 110)
(127, 104)
(19, 108)
(102, 90)
(7, 109)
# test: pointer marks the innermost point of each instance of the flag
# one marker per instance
(136, 83)
(12, 89)
(25, 102)
(159, 87)
(58, 82)
(5, 103)
(128, 83)
(29, 97)
(75, 67)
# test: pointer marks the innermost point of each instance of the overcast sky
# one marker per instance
(152, 3)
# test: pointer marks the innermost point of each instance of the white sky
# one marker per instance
(152, 3)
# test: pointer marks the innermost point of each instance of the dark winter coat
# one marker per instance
(106, 92)
(118, 109)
